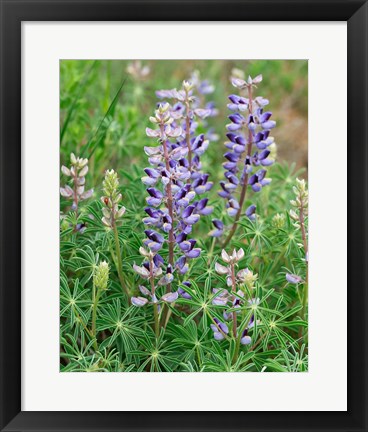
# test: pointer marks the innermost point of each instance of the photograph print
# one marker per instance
(183, 215)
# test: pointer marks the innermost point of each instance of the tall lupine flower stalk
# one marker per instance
(151, 270)
(250, 126)
(171, 210)
(112, 214)
(77, 171)
(100, 281)
(298, 214)
(234, 298)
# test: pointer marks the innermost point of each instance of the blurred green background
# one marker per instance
(105, 106)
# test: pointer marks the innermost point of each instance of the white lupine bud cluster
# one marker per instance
(101, 276)
(244, 276)
(162, 115)
(300, 203)
(187, 86)
(278, 221)
(234, 257)
(241, 83)
(112, 213)
(77, 171)
(247, 277)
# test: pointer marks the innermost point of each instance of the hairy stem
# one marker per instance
(305, 243)
(233, 288)
(95, 299)
(237, 347)
(155, 306)
(171, 241)
(118, 259)
(75, 200)
(187, 132)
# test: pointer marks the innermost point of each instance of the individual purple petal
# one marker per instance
(246, 340)
(170, 297)
(218, 336)
(165, 280)
(141, 271)
(144, 290)
(224, 328)
(233, 127)
(139, 301)
(237, 118)
(183, 293)
(269, 124)
(293, 278)
(194, 253)
(232, 137)
(191, 220)
(250, 212)
(152, 133)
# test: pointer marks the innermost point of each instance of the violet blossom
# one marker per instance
(174, 186)
(247, 151)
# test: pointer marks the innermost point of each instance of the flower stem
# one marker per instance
(155, 306)
(305, 243)
(171, 240)
(198, 356)
(245, 180)
(75, 177)
(157, 324)
(237, 347)
(240, 333)
(95, 299)
(233, 288)
(81, 321)
(187, 133)
(118, 260)
(210, 253)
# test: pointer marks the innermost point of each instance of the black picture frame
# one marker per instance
(13, 12)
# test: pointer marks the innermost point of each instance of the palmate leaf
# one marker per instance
(74, 304)
(122, 323)
(158, 354)
(189, 342)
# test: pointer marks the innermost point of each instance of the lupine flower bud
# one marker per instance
(233, 299)
(111, 212)
(301, 194)
(247, 277)
(278, 221)
(77, 171)
(293, 278)
(101, 276)
(234, 257)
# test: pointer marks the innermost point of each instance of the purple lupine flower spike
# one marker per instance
(248, 135)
